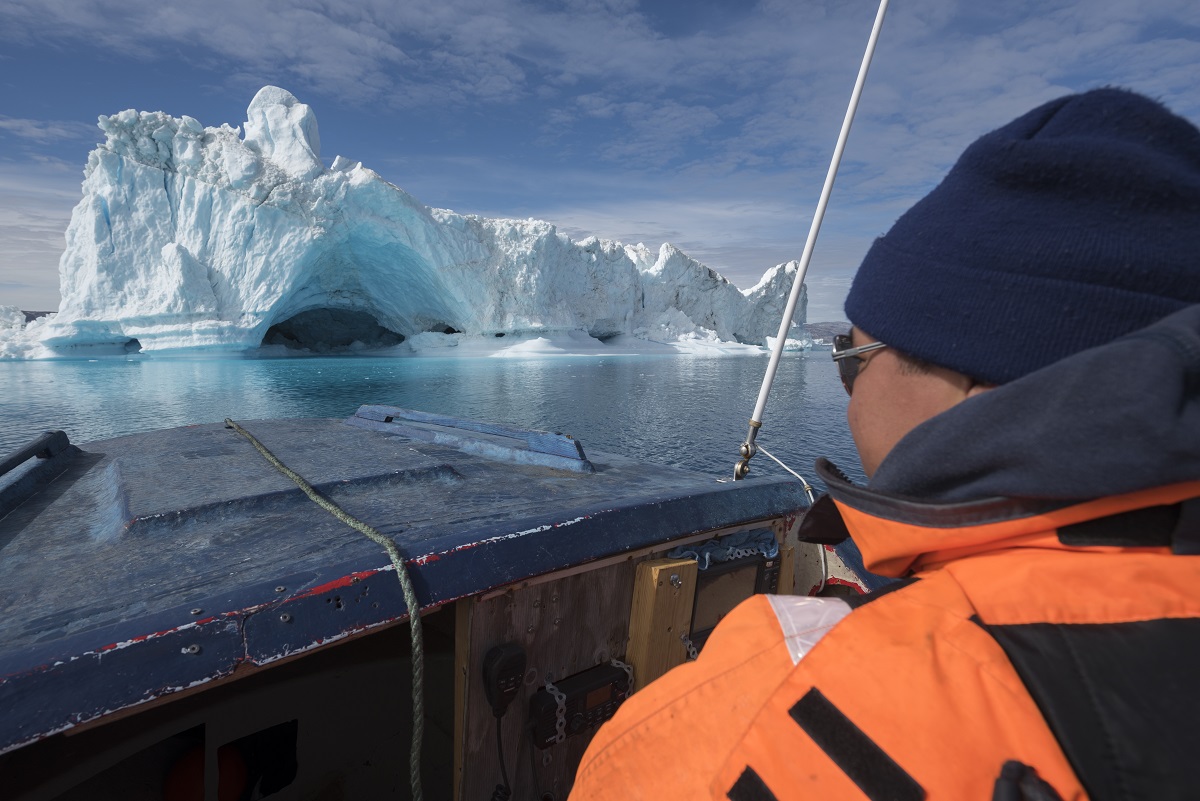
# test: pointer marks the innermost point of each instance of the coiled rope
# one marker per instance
(410, 599)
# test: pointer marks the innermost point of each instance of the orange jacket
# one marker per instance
(908, 696)
(1049, 635)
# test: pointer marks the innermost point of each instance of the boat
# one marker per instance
(180, 620)
(237, 611)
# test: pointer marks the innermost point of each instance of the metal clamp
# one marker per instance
(560, 715)
(617, 663)
(692, 653)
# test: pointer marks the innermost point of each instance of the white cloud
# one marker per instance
(45, 131)
(35, 206)
(712, 131)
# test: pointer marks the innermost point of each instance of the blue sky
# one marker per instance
(705, 124)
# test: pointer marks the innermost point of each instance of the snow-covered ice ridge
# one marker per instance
(194, 237)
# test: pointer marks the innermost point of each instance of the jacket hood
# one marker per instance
(1105, 431)
(1117, 418)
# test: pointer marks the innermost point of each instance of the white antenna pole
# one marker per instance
(748, 448)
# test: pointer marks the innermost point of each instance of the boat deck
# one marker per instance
(135, 567)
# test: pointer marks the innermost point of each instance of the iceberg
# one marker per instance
(191, 237)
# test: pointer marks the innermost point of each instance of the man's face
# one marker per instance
(891, 398)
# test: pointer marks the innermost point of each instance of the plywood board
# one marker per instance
(663, 593)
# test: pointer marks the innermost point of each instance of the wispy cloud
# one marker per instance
(46, 131)
(774, 77)
(35, 207)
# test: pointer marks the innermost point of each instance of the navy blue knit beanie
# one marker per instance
(1070, 226)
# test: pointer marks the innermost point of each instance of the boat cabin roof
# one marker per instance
(134, 567)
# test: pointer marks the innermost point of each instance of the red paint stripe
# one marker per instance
(845, 583)
(336, 584)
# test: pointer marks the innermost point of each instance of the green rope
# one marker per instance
(410, 599)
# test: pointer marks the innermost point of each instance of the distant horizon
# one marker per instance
(699, 124)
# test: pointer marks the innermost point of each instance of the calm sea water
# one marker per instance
(681, 410)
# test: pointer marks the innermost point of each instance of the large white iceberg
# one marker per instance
(195, 237)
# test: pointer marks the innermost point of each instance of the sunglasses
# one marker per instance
(849, 360)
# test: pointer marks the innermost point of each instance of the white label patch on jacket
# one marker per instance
(805, 620)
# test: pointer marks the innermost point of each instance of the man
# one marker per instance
(1024, 372)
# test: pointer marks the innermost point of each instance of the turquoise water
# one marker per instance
(689, 411)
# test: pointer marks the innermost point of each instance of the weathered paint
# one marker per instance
(138, 532)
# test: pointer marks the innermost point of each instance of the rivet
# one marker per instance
(197, 611)
(285, 617)
(192, 649)
(280, 588)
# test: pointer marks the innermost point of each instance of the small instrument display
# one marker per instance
(592, 697)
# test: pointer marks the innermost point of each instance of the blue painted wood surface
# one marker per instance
(155, 561)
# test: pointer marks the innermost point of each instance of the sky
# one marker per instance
(708, 124)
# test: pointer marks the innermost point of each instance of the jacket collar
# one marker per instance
(1099, 434)
(1111, 420)
(900, 535)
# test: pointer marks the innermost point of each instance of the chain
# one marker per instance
(560, 716)
(691, 649)
(628, 672)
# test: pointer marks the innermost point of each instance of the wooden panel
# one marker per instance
(462, 679)
(565, 626)
(663, 593)
(787, 570)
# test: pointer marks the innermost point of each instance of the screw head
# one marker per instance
(197, 611)
(676, 581)
(280, 588)
(285, 617)
(192, 649)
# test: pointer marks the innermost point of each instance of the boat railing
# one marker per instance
(53, 448)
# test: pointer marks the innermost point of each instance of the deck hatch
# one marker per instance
(490, 440)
